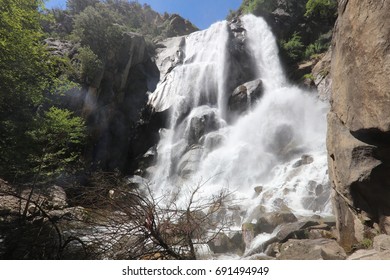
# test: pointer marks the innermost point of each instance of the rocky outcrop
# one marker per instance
(223, 244)
(178, 26)
(359, 121)
(60, 47)
(241, 62)
(306, 229)
(113, 104)
(380, 250)
(322, 78)
(244, 96)
(316, 249)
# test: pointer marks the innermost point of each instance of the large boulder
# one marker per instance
(56, 198)
(380, 250)
(244, 96)
(223, 243)
(189, 162)
(359, 121)
(312, 249)
(303, 229)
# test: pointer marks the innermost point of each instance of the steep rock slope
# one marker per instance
(359, 121)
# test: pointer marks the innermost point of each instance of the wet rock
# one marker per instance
(269, 221)
(248, 233)
(225, 244)
(258, 190)
(189, 162)
(305, 159)
(241, 60)
(281, 142)
(317, 197)
(244, 96)
(201, 124)
(146, 160)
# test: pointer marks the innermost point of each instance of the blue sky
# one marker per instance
(202, 13)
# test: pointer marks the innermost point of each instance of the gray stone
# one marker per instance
(370, 255)
(316, 249)
(225, 244)
(322, 77)
(305, 159)
(382, 243)
(56, 198)
(189, 162)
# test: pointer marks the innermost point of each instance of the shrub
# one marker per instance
(314, 49)
(258, 6)
(293, 47)
(61, 137)
(90, 64)
(321, 8)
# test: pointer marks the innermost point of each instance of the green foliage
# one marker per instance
(308, 76)
(77, 6)
(29, 77)
(26, 73)
(61, 137)
(258, 6)
(320, 8)
(23, 60)
(315, 49)
(99, 28)
(90, 64)
(366, 243)
(293, 48)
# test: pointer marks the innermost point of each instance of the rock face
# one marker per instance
(322, 78)
(359, 121)
(381, 250)
(316, 249)
(179, 26)
(114, 102)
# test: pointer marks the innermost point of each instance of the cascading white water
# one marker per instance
(197, 88)
(279, 144)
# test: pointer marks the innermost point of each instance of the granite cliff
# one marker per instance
(359, 121)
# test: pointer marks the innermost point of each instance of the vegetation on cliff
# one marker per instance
(46, 57)
(303, 27)
(30, 79)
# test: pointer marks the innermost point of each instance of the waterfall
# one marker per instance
(278, 145)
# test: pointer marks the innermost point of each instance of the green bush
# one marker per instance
(60, 137)
(258, 6)
(293, 48)
(100, 29)
(321, 8)
(90, 65)
(314, 49)
(77, 6)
